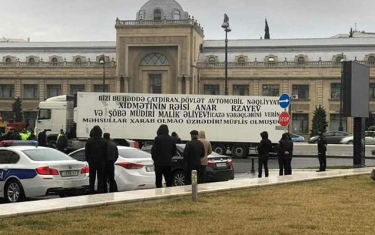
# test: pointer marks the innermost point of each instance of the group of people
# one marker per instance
(195, 155)
(101, 153)
(14, 134)
(285, 153)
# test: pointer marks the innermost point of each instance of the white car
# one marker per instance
(369, 139)
(134, 168)
(32, 171)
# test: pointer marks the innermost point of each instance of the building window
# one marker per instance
(301, 60)
(157, 14)
(141, 17)
(241, 60)
(99, 88)
(31, 61)
(44, 114)
(78, 61)
(371, 60)
(8, 60)
(372, 91)
(271, 90)
(53, 90)
(176, 15)
(155, 83)
(30, 91)
(74, 89)
(241, 90)
(300, 123)
(300, 92)
(54, 61)
(211, 89)
(335, 91)
(7, 91)
(154, 59)
(211, 60)
(334, 122)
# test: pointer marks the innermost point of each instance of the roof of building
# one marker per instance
(167, 8)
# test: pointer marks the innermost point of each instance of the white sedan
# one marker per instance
(31, 171)
(134, 168)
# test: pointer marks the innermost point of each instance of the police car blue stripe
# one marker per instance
(21, 174)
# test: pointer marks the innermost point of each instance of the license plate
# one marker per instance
(221, 164)
(69, 173)
(150, 168)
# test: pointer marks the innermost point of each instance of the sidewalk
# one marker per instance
(244, 181)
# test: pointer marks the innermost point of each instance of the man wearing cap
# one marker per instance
(322, 149)
(193, 152)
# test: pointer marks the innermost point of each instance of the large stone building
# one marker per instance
(163, 51)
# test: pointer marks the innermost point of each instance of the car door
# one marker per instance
(5, 167)
(338, 137)
(330, 137)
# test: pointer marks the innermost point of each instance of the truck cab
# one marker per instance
(54, 114)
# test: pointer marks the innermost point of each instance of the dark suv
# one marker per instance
(220, 167)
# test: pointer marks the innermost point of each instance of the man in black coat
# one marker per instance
(322, 149)
(193, 152)
(264, 149)
(112, 156)
(163, 150)
(62, 142)
(96, 155)
(285, 155)
(42, 138)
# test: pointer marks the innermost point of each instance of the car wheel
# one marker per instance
(14, 191)
(350, 142)
(219, 149)
(179, 178)
(239, 151)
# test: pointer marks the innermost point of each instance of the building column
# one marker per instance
(179, 85)
(126, 84)
(187, 84)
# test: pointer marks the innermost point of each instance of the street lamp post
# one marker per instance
(227, 29)
(102, 61)
(341, 128)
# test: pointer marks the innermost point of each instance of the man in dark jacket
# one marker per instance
(112, 156)
(42, 138)
(96, 155)
(322, 149)
(285, 155)
(176, 138)
(264, 149)
(15, 135)
(162, 151)
(193, 152)
(62, 142)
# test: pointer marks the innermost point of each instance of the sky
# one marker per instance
(94, 20)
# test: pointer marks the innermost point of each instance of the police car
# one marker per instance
(27, 170)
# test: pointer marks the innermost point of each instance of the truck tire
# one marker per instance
(219, 149)
(239, 151)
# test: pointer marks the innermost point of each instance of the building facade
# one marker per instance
(163, 51)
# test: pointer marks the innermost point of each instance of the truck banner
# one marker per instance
(138, 116)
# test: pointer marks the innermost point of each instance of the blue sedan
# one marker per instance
(297, 138)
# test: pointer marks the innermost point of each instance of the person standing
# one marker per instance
(32, 136)
(204, 160)
(162, 152)
(285, 148)
(15, 135)
(264, 148)
(176, 138)
(112, 156)
(193, 153)
(290, 155)
(96, 155)
(42, 138)
(62, 142)
(322, 149)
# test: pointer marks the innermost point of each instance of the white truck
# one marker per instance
(231, 122)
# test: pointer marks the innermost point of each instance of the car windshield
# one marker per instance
(37, 154)
(133, 153)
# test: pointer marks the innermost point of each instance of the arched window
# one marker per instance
(31, 61)
(371, 60)
(211, 60)
(241, 60)
(271, 60)
(157, 14)
(8, 60)
(54, 61)
(78, 61)
(176, 15)
(301, 60)
(155, 59)
(141, 16)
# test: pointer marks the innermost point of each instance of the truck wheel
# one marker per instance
(14, 191)
(239, 151)
(219, 149)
